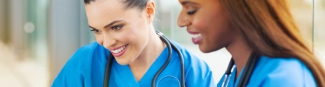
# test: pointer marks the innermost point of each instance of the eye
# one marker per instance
(96, 31)
(117, 27)
(191, 12)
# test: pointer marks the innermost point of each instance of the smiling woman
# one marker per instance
(267, 47)
(125, 34)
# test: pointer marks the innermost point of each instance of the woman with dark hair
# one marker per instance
(129, 52)
(266, 46)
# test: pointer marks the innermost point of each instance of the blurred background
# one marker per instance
(37, 37)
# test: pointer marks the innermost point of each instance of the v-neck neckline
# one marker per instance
(233, 80)
(129, 78)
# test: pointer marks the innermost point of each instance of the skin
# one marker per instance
(210, 19)
(132, 28)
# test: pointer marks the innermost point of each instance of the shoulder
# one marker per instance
(88, 50)
(82, 59)
(92, 51)
(188, 56)
(197, 71)
(283, 72)
(190, 59)
(80, 64)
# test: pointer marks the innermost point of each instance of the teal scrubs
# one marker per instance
(276, 72)
(86, 68)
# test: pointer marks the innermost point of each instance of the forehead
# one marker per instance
(104, 5)
(105, 11)
(195, 2)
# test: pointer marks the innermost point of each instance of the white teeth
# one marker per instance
(118, 50)
(196, 35)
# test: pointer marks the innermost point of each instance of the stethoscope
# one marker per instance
(153, 83)
(249, 68)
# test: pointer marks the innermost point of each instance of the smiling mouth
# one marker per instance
(119, 51)
(196, 36)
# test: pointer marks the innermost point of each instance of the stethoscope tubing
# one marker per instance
(164, 38)
(249, 68)
(153, 84)
(107, 70)
(251, 63)
(228, 73)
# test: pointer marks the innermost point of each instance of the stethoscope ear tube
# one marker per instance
(182, 66)
(153, 83)
(164, 38)
(231, 63)
(228, 73)
(107, 70)
(250, 66)
(182, 62)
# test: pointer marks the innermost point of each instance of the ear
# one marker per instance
(150, 9)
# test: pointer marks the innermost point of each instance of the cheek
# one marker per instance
(99, 39)
(210, 21)
(126, 37)
(129, 36)
(199, 24)
(205, 20)
(204, 24)
(140, 30)
(140, 37)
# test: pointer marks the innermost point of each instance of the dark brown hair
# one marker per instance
(269, 29)
(140, 4)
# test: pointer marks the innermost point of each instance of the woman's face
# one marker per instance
(207, 22)
(122, 31)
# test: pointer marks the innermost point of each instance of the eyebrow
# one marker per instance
(92, 27)
(187, 2)
(112, 23)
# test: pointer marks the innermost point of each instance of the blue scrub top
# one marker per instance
(276, 72)
(86, 68)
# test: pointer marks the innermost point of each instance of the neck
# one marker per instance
(240, 52)
(148, 55)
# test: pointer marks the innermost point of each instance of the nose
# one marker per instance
(106, 40)
(183, 20)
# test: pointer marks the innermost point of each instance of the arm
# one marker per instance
(70, 75)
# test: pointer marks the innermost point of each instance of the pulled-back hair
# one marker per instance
(140, 4)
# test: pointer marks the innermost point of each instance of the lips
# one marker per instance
(196, 37)
(119, 51)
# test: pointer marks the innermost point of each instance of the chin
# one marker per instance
(204, 50)
(122, 62)
(207, 49)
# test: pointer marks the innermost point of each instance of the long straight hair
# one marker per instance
(269, 29)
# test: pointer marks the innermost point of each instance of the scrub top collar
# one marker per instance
(127, 75)
(233, 80)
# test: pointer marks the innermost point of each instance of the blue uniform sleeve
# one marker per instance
(199, 74)
(70, 75)
(82, 68)
(279, 72)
